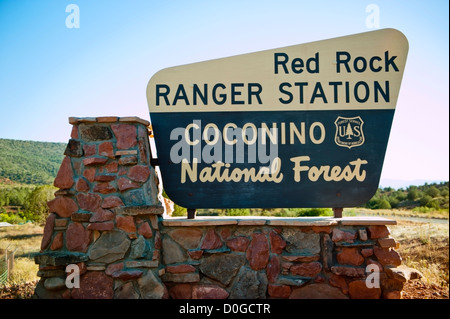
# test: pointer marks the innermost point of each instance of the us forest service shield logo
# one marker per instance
(349, 132)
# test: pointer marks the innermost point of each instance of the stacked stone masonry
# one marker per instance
(107, 219)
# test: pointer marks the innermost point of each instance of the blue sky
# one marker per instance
(49, 72)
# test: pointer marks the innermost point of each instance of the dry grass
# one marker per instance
(425, 247)
(25, 241)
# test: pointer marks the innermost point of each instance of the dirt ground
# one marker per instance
(417, 289)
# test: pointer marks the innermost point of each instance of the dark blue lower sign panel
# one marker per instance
(271, 159)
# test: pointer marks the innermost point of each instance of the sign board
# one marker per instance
(301, 126)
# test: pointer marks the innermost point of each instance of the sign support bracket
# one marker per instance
(191, 213)
(337, 211)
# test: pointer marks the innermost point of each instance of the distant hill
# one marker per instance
(405, 184)
(30, 162)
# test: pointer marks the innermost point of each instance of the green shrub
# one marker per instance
(425, 200)
(12, 218)
(383, 204)
(413, 194)
(179, 211)
(304, 212)
(433, 191)
(237, 212)
(393, 202)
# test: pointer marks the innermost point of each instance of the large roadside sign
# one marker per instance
(301, 126)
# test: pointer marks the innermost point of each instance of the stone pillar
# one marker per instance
(105, 219)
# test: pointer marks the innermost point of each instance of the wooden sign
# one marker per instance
(300, 126)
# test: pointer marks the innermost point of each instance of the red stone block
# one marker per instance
(126, 223)
(128, 160)
(279, 291)
(211, 240)
(125, 184)
(317, 291)
(101, 226)
(378, 231)
(370, 261)
(104, 178)
(139, 173)
(112, 268)
(387, 242)
(358, 289)
(90, 202)
(63, 206)
(104, 188)
(181, 291)
(158, 241)
(180, 269)
(387, 256)
(77, 238)
(111, 202)
(91, 161)
(341, 235)
(273, 269)
(111, 167)
(57, 241)
(126, 135)
(82, 185)
(393, 294)
(348, 271)
(238, 243)
(225, 233)
(127, 274)
(306, 269)
(208, 292)
(339, 282)
(122, 171)
(145, 230)
(89, 149)
(142, 151)
(89, 174)
(106, 149)
(350, 256)
(101, 215)
(142, 132)
(74, 132)
(277, 243)
(48, 230)
(366, 252)
(94, 285)
(258, 252)
(320, 229)
(195, 254)
(64, 178)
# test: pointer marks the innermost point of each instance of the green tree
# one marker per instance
(383, 204)
(425, 200)
(393, 201)
(36, 207)
(413, 194)
(433, 191)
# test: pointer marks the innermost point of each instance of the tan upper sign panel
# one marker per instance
(361, 71)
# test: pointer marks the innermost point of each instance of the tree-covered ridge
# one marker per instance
(30, 162)
(433, 196)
